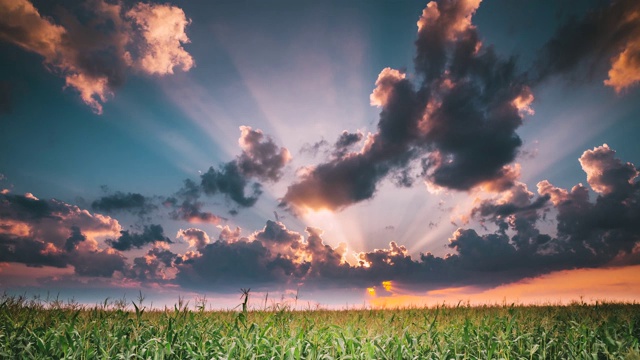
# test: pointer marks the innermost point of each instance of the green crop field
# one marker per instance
(33, 329)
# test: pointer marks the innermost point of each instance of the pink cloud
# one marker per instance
(25, 27)
(523, 102)
(93, 90)
(605, 173)
(163, 29)
(195, 237)
(93, 56)
(557, 195)
(384, 86)
(625, 67)
(453, 23)
(261, 157)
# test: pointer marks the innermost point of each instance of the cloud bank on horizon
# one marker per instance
(450, 124)
(589, 234)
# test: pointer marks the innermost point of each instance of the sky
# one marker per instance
(332, 153)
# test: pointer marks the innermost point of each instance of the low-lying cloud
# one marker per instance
(129, 240)
(40, 233)
(589, 234)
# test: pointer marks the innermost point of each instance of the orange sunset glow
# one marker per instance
(379, 153)
(562, 287)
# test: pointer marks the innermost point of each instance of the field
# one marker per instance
(34, 329)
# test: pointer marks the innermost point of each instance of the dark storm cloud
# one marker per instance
(26, 207)
(28, 251)
(336, 184)
(473, 100)
(152, 267)
(225, 263)
(461, 119)
(347, 139)
(94, 54)
(128, 240)
(517, 209)
(192, 212)
(506, 209)
(26, 210)
(186, 205)
(605, 37)
(522, 219)
(261, 159)
(190, 191)
(276, 256)
(602, 232)
(345, 142)
(273, 255)
(313, 149)
(131, 202)
(75, 238)
(608, 227)
(36, 253)
(99, 263)
(228, 180)
(589, 234)
(39, 233)
(473, 131)
(276, 232)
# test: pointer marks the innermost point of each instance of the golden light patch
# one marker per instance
(523, 102)
(456, 291)
(371, 291)
(384, 86)
(15, 228)
(387, 285)
(589, 285)
(50, 249)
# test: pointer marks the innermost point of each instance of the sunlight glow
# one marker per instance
(329, 91)
(371, 291)
(588, 285)
(337, 227)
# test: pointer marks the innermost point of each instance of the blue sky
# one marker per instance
(353, 130)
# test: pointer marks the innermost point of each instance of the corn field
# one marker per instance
(53, 330)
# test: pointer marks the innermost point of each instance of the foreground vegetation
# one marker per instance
(53, 330)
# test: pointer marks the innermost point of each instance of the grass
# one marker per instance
(34, 329)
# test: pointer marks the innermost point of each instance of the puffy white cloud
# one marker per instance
(163, 28)
(387, 78)
(455, 20)
(605, 173)
(195, 237)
